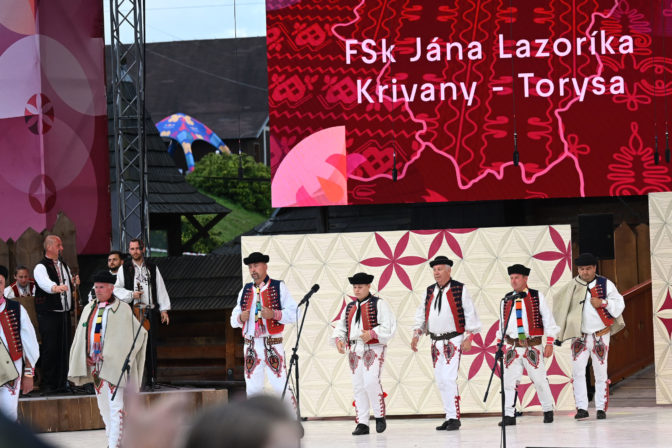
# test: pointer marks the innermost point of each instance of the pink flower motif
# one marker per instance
(576, 148)
(564, 255)
(484, 351)
(393, 261)
(438, 239)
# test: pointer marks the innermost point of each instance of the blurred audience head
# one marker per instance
(259, 422)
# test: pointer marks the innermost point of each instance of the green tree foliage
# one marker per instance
(217, 174)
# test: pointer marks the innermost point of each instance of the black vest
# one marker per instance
(45, 300)
(129, 279)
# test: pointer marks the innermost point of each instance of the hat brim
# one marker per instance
(435, 262)
(251, 260)
(361, 280)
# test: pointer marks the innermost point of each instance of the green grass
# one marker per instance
(238, 221)
(234, 224)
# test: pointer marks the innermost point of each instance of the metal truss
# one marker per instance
(127, 45)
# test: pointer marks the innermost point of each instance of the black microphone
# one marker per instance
(312, 291)
(515, 295)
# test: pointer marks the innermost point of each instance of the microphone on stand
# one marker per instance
(312, 291)
(514, 295)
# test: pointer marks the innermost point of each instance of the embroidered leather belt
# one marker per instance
(602, 332)
(444, 336)
(354, 341)
(268, 340)
(529, 342)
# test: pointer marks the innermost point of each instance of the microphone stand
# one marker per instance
(294, 361)
(499, 358)
(151, 377)
(126, 368)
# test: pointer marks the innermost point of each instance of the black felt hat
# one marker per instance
(586, 259)
(104, 277)
(361, 278)
(256, 257)
(4, 272)
(518, 269)
(441, 260)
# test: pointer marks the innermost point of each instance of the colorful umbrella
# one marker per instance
(184, 129)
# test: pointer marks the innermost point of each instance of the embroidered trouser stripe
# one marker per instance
(366, 382)
(599, 370)
(111, 411)
(514, 371)
(254, 380)
(445, 372)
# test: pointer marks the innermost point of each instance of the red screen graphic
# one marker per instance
(446, 97)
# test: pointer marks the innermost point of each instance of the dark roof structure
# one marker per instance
(209, 282)
(168, 192)
(222, 82)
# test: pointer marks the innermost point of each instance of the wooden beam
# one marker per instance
(201, 231)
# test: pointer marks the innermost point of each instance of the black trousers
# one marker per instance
(55, 349)
(150, 355)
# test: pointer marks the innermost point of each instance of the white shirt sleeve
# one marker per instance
(9, 292)
(551, 329)
(161, 292)
(31, 349)
(119, 291)
(471, 321)
(341, 330)
(236, 312)
(42, 278)
(289, 307)
(387, 323)
(615, 302)
(420, 324)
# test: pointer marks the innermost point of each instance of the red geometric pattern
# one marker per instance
(564, 255)
(393, 261)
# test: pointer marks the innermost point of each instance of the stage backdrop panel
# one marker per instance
(660, 222)
(53, 119)
(399, 262)
(418, 101)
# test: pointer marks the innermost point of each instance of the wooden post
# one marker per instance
(65, 229)
(643, 253)
(625, 252)
(4, 257)
(29, 249)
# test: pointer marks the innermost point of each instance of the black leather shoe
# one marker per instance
(452, 424)
(548, 417)
(508, 421)
(361, 429)
(601, 415)
(381, 424)
(442, 426)
(581, 413)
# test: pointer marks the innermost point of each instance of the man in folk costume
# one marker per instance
(103, 339)
(54, 291)
(449, 317)
(23, 286)
(589, 310)
(530, 320)
(18, 354)
(264, 307)
(140, 284)
(365, 328)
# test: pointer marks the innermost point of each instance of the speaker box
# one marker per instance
(596, 235)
